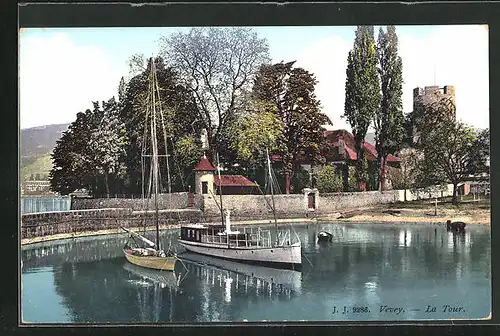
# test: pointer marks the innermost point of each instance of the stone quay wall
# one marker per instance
(337, 202)
(254, 206)
(244, 207)
(106, 214)
(165, 201)
(75, 221)
(293, 206)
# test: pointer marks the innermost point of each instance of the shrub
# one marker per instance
(327, 180)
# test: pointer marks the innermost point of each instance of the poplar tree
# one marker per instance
(389, 121)
(362, 93)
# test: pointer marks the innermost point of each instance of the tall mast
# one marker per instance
(272, 195)
(154, 158)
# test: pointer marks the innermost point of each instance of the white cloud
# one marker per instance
(458, 53)
(58, 79)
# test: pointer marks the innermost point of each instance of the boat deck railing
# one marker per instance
(284, 238)
(251, 238)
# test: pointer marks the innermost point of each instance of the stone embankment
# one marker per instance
(101, 216)
(74, 222)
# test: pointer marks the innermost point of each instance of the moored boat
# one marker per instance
(252, 245)
(324, 236)
(146, 253)
(165, 278)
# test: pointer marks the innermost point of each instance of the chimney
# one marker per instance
(341, 147)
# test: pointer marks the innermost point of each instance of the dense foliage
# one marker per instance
(389, 120)
(362, 92)
(289, 93)
(177, 128)
(327, 180)
(90, 154)
(451, 150)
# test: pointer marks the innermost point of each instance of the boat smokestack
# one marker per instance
(228, 221)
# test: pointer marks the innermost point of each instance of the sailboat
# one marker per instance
(251, 245)
(139, 250)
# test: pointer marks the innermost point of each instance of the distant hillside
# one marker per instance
(40, 140)
(41, 166)
(35, 147)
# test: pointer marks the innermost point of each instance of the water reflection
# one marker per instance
(242, 273)
(232, 280)
(150, 287)
(363, 265)
(405, 238)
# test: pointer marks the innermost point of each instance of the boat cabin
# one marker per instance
(214, 234)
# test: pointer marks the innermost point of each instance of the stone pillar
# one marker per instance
(311, 204)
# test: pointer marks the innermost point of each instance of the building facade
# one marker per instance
(207, 181)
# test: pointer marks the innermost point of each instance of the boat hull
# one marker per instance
(159, 263)
(274, 256)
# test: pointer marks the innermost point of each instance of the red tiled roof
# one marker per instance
(333, 138)
(233, 181)
(204, 164)
(275, 158)
(351, 153)
(350, 147)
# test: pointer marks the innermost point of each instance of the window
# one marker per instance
(204, 187)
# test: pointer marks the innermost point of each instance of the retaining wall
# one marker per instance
(165, 201)
(336, 202)
(74, 221)
(255, 206)
(111, 213)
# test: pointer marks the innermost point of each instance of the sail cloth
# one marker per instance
(145, 240)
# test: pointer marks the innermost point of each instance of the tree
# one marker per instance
(187, 151)
(258, 131)
(217, 65)
(362, 92)
(90, 152)
(70, 170)
(389, 119)
(290, 92)
(179, 127)
(450, 152)
(425, 115)
(327, 181)
(405, 177)
(482, 149)
(107, 143)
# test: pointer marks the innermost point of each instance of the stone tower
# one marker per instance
(432, 94)
(204, 176)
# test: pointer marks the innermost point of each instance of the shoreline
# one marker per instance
(373, 216)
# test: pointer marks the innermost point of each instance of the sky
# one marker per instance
(62, 71)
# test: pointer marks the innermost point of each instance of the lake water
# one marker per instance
(368, 272)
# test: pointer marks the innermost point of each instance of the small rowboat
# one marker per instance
(324, 236)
